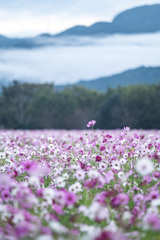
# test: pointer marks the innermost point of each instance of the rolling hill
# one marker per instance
(141, 75)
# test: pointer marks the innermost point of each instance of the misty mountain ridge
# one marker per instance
(140, 75)
(143, 19)
(138, 20)
(137, 76)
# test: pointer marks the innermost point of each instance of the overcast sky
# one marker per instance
(31, 17)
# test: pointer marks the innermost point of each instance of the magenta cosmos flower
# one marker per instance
(119, 200)
(98, 158)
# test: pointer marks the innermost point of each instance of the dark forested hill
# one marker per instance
(40, 106)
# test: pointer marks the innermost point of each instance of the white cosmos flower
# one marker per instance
(125, 155)
(18, 218)
(49, 193)
(93, 174)
(72, 188)
(102, 166)
(103, 213)
(75, 166)
(2, 169)
(152, 149)
(143, 151)
(60, 182)
(96, 210)
(152, 210)
(44, 237)
(93, 210)
(65, 176)
(111, 227)
(144, 166)
(126, 216)
(56, 172)
(58, 227)
(34, 181)
(51, 146)
(75, 188)
(83, 209)
(155, 202)
(80, 175)
(116, 165)
(91, 231)
(122, 161)
(2, 155)
(78, 187)
(50, 139)
(42, 148)
(121, 174)
(136, 156)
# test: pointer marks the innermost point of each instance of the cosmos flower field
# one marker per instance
(87, 185)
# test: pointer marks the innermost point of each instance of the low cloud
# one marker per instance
(86, 60)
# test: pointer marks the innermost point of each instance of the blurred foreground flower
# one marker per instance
(144, 166)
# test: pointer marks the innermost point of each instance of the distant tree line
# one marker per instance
(39, 106)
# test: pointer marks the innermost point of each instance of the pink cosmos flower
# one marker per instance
(136, 136)
(60, 198)
(153, 195)
(109, 176)
(138, 198)
(90, 183)
(28, 166)
(121, 136)
(46, 231)
(5, 180)
(147, 179)
(91, 123)
(154, 221)
(120, 199)
(5, 195)
(58, 209)
(156, 174)
(126, 129)
(40, 192)
(101, 197)
(70, 198)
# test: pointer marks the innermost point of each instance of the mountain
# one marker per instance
(143, 19)
(99, 28)
(6, 42)
(141, 75)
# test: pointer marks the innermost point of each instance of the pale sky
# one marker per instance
(32, 17)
